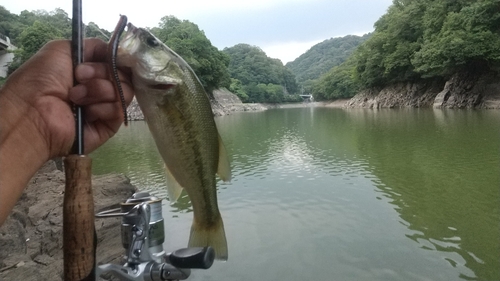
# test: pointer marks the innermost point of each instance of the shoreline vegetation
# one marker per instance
(225, 103)
(484, 94)
(421, 54)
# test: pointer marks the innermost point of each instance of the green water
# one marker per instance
(333, 194)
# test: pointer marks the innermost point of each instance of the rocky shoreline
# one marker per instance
(463, 90)
(225, 103)
(31, 237)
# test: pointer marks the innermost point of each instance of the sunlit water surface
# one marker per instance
(333, 194)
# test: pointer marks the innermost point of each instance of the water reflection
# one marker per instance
(133, 153)
(443, 179)
(344, 194)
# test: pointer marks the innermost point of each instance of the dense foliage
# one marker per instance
(10, 24)
(415, 39)
(322, 57)
(186, 39)
(32, 39)
(339, 82)
(258, 78)
(29, 31)
(92, 30)
(419, 39)
(254, 76)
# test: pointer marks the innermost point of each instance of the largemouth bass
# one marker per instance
(180, 118)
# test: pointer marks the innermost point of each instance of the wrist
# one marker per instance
(22, 151)
(20, 126)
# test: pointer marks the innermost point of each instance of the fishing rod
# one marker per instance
(79, 238)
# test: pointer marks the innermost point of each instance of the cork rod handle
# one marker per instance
(78, 220)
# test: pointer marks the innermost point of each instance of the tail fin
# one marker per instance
(213, 236)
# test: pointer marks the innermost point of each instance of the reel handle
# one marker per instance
(199, 257)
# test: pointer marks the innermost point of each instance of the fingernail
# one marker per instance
(77, 93)
(84, 72)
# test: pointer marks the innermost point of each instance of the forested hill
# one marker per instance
(259, 78)
(29, 31)
(323, 56)
(416, 41)
(429, 40)
(244, 69)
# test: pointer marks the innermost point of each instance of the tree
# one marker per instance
(252, 67)
(93, 30)
(187, 40)
(274, 93)
(322, 57)
(31, 30)
(386, 56)
(31, 40)
(339, 82)
(237, 88)
(467, 36)
(10, 25)
(418, 40)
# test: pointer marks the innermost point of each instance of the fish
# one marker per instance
(177, 110)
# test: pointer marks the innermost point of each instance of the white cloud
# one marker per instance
(146, 12)
(288, 51)
(284, 29)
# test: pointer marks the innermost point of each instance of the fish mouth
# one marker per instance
(129, 45)
(131, 28)
(131, 32)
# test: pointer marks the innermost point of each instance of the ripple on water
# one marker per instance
(358, 195)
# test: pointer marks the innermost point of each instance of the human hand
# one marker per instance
(36, 120)
(36, 99)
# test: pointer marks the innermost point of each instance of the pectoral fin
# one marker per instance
(173, 187)
(223, 169)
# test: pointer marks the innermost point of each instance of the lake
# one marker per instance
(335, 194)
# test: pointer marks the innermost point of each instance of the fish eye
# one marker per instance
(152, 42)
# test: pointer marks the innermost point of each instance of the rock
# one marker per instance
(224, 96)
(441, 98)
(470, 90)
(43, 259)
(418, 94)
(12, 238)
(473, 88)
(224, 103)
(33, 232)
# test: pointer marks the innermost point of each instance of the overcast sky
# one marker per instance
(284, 29)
